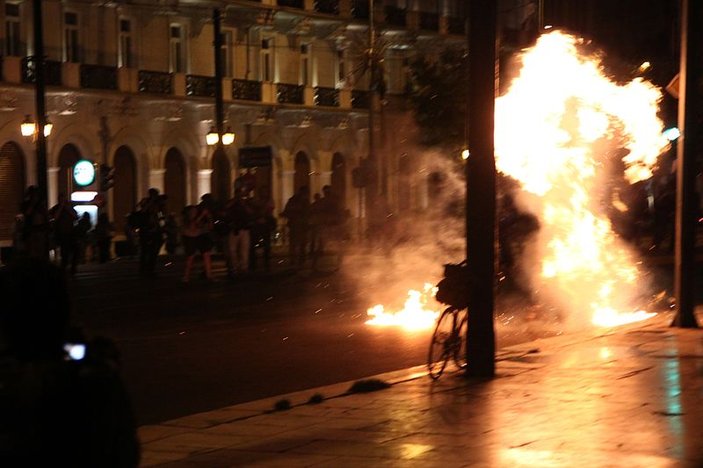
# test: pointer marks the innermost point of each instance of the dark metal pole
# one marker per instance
(40, 100)
(481, 189)
(690, 74)
(219, 106)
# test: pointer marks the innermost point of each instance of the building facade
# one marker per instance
(130, 84)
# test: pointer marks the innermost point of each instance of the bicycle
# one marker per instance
(448, 341)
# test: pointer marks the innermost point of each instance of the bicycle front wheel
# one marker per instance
(441, 346)
(459, 349)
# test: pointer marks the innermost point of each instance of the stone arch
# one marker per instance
(301, 175)
(79, 137)
(12, 183)
(67, 157)
(124, 195)
(175, 180)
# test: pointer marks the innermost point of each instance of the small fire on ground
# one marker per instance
(418, 313)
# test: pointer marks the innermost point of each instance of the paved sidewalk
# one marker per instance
(626, 397)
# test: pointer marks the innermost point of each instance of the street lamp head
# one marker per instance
(48, 126)
(27, 127)
(212, 137)
(228, 137)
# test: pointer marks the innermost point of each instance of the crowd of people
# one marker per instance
(72, 238)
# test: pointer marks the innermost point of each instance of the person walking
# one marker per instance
(197, 237)
(104, 232)
(297, 212)
(63, 218)
(36, 227)
(148, 219)
(238, 215)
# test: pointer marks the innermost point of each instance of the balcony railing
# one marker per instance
(154, 82)
(330, 7)
(327, 97)
(360, 9)
(98, 76)
(429, 21)
(292, 3)
(52, 71)
(289, 93)
(200, 86)
(246, 90)
(395, 16)
(360, 99)
(456, 25)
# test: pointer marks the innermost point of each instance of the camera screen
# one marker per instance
(75, 352)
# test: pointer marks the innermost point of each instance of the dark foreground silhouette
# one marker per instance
(62, 400)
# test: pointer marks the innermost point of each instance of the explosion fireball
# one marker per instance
(561, 123)
(559, 127)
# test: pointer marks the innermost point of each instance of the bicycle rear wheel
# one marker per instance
(441, 346)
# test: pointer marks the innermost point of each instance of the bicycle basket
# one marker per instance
(453, 288)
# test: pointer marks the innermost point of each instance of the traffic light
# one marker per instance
(107, 175)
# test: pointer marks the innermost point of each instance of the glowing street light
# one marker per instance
(29, 128)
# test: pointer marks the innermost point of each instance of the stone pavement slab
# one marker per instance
(625, 397)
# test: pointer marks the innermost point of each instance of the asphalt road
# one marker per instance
(197, 347)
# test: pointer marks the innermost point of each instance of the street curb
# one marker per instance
(289, 401)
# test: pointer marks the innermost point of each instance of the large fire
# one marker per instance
(559, 125)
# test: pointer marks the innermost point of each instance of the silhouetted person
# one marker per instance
(57, 408)
(82, 236)
(63, 217)
(35, 224)
(297, 211)
(262, 227)
(104, 232)
(149, 220)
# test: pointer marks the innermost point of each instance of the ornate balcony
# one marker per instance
(360, 99)
(154, 82)
(327, 97)
(290, 94)
(200, 86)
(246, 90)
(98, 76)
(330, 7)
(52, 71)
(291, 3)
(429, 21)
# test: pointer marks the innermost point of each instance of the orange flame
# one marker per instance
(415, 314)
(559, 121)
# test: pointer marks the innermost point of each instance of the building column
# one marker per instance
(286, 186)
(156, 179)
(53, 183)
(204, 182)
(325, 178)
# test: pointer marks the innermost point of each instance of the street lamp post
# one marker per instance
(688, 147)
(40, 99)
(481, 189)
(217, 134)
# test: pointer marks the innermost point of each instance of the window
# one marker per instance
(266, 70)
(71, 42)
(177, 49)
(125, 44)
(305, 65)
(13, 44)
(226, 54)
